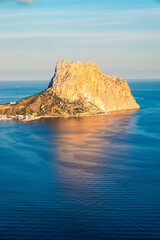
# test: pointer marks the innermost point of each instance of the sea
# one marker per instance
(89, 178)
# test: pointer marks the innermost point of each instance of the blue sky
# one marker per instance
(121, 36)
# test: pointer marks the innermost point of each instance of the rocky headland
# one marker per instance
(76, 89)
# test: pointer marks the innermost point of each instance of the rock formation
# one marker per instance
(76, 89)
(75, 80)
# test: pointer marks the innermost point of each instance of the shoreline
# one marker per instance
(21, 119)
(64, 116)
(14, 118)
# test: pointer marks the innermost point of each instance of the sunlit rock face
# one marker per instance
(74, 80)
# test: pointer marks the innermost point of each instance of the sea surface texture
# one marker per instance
(92, 178)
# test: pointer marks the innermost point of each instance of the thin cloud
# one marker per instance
(117, 36)
(68, 21)
(108, 23)
(22, 1)
(132, 12)
(25, 1)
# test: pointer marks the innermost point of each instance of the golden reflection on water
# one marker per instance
(84, 146)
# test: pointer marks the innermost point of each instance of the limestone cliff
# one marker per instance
(76, 89)
(75, 80)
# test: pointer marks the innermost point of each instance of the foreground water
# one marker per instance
(83, 178)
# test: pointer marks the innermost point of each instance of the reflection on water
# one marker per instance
(88, 148)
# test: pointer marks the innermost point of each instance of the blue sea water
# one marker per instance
(81, 178)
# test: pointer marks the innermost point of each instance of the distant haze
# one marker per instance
(121, 36)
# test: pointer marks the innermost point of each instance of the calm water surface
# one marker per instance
(84, 178)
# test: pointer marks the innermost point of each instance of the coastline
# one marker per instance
(64, 116)
(15, 118)
(124, 111)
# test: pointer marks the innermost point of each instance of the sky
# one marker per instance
(121, 36)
